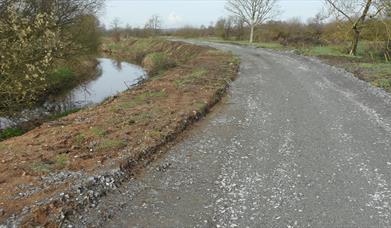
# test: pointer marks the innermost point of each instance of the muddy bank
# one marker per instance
(66, 165)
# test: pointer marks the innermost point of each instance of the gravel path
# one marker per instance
(296, 144)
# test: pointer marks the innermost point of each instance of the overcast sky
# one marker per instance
(176, 13)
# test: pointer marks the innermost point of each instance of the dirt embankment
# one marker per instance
(66, 165)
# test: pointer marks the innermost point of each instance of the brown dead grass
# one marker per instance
(121, 129)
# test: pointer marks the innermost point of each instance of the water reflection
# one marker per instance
(115, 76)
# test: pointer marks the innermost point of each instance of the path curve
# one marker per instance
(297, 144)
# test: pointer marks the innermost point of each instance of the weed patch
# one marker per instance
(108, 144)
(157, 62)
(62, 114)
(191, 78)
(79, 139)
(154, 134)
(98, 132)
(383, 83)
(41, 167)
(10, 132)
(150, 94)
(61, 160)
(201, 106)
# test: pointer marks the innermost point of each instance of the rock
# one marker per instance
(164, 167)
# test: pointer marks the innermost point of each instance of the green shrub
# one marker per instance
(157, 62)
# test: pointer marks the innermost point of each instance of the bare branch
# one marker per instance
(252, 12)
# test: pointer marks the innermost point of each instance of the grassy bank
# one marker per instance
(122, 133)
(69, 74)
(367, 66)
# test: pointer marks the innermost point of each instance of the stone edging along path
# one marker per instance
(66, 165)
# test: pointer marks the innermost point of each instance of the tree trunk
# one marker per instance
(356, 38)
(252, 34)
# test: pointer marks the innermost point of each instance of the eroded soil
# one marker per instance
(39, 167)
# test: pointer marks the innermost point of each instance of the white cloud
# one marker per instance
(174, 19)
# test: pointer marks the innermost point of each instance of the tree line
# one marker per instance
(340, 21)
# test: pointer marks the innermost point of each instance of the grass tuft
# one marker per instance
(191, 78)
(41, 167)
(107, 144)
(62, 160)
(10, 133)
(98, 132)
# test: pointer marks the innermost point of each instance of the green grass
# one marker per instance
(62, 160)
(98, 132)
(62, 114)
(378, 70)
(139, 99)
(383, 83)
(41, 168)
(143, 116)
(150, 94)
(61, 78)
(191, 78)
(14, 132)
(115, 46)
(158, 62)
(79, 139)
(59, 162)
(201, 106)
(382, 68)
(154, 134)
(269, 45)
(107, 144)
(331, 50)
(10, 132)
(377, 73)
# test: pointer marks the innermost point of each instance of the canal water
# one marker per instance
(114, 77)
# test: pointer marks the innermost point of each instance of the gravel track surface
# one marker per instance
(297, 143)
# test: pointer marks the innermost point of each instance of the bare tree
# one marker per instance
(116, 30)
(356, 12)
(224, 27)
(154, 24)
(252, 12)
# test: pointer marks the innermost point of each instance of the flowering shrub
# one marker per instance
(28, 47)
(36, 39)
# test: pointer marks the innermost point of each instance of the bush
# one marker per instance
(9, 133)
(156, 62)
(34, 36)
(27, 53)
